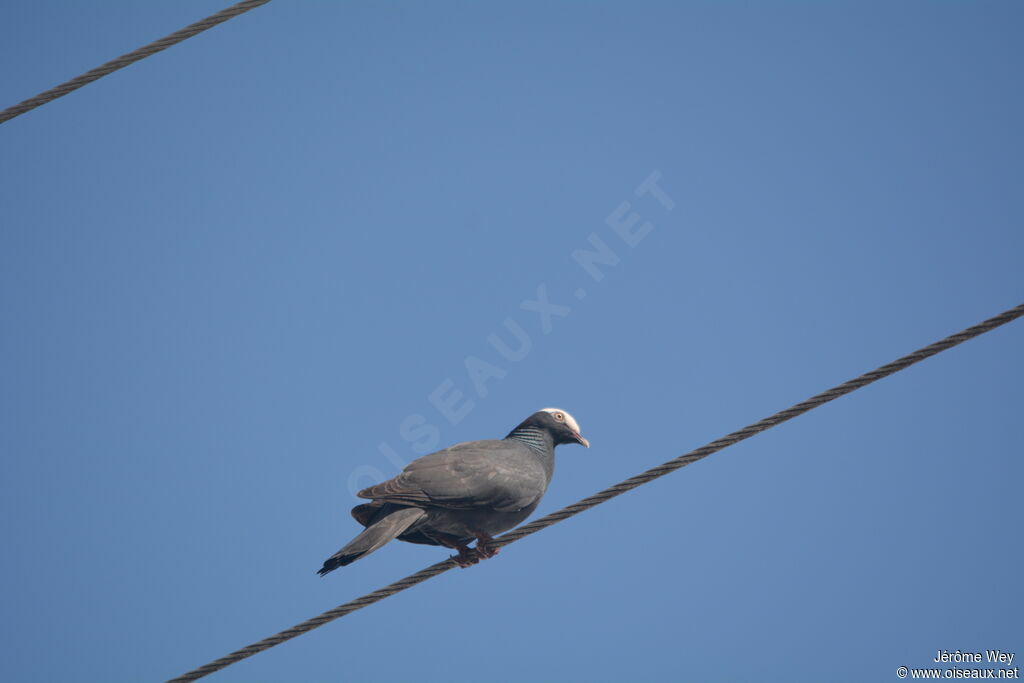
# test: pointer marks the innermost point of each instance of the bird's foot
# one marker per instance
(485, 547)
(467, 557)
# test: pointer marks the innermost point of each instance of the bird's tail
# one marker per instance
(386, 528)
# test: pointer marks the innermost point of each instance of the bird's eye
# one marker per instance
(559, 416)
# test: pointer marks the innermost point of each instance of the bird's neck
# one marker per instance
(538, 440)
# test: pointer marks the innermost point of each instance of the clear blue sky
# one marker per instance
(230, 272)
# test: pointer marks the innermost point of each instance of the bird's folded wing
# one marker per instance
(467, 476)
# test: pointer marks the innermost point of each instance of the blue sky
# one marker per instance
(230, 272)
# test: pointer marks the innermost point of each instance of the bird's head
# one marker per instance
(562, 426)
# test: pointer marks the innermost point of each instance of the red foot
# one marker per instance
(467, 557)
(485, 546)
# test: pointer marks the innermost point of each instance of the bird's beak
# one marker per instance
(580, 440)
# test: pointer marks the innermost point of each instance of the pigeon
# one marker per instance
(470, 491)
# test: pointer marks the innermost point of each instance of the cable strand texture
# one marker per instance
(129, 58)
(613, 491)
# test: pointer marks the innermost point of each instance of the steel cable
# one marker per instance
(129, 58)
(613, 491)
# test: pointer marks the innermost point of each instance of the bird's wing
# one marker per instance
(498, 475)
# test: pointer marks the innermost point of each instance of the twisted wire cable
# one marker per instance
(613, 491)
(129, 58)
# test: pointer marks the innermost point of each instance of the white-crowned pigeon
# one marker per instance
(473, 490)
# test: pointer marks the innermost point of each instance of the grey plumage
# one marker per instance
(473, 490)
(383, 528)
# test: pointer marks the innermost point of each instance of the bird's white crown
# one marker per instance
(569, 419)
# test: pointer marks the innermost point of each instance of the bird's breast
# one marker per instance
(467, 523)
